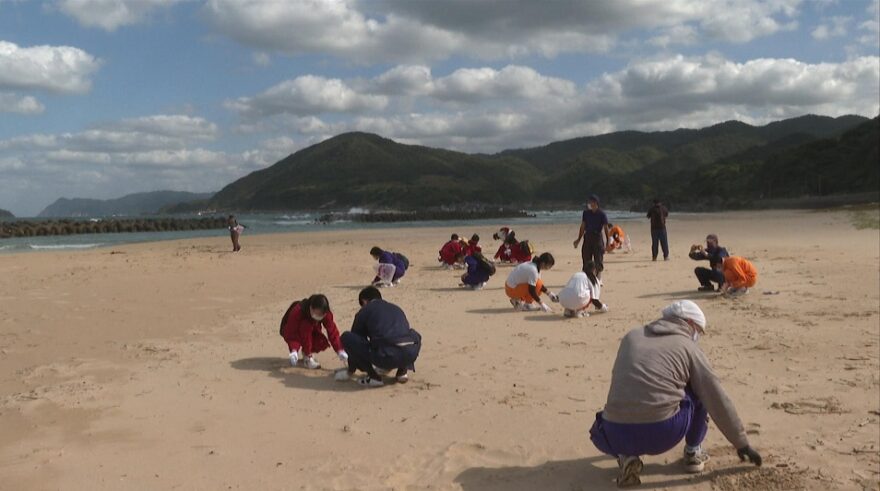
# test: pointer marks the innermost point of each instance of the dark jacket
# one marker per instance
(384, 324)
(658, 214)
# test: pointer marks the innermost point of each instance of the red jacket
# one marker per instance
(513, 253)
(472, 247)
(301, 331)
(449, 252)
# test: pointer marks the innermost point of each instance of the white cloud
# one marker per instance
(307, 95)
(111, 14)
(60, 69)
(415, 31)
(834, 27)
(130, 155)
(262, 59)
(14, 103)
(871, 26)
(486, 109)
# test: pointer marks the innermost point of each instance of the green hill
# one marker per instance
(361, 169)
(6, 214)
(130, 205)
(721, 164)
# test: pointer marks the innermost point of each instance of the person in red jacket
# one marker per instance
(473, 246)
(301, 329)
(451, 252)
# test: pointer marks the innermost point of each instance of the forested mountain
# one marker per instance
(727, 162)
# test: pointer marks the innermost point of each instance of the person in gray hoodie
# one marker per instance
(662, 390)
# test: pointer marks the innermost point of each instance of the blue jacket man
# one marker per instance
(715, 254)
(380, 340)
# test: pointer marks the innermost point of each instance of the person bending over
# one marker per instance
(479, 269)
(662, 390)
(524, 285)
(392, 267)
(739, 275)
(582, 291)
(380, 340)
(301, 329)
(715, 254)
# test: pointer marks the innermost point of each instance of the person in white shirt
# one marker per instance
(524, 285)
(582, 290)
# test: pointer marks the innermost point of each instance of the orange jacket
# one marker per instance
(739, 272)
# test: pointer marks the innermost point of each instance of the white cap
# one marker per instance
(686, 309)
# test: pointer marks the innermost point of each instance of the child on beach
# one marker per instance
(582, 290)
(479, 269)
(392, 267)
(301, 330)
(235, 230)
(524, 285)
(739, 275)
(473, 245)
(451, 252)
(616, 239)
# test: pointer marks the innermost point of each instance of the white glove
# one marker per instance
(343, 356)
(554, 297)
(546, 308)
(294, 357)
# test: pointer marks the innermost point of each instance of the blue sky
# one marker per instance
(102, 98)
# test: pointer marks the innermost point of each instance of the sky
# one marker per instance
(103, 98)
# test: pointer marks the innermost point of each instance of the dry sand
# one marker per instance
(159, 366)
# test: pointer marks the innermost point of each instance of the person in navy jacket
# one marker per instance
(386, 257)
(380, 340)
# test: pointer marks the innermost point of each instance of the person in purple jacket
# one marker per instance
(398, 260)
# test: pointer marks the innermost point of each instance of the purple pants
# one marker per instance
(691, 422)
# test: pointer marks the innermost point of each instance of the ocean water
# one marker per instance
(280, 223)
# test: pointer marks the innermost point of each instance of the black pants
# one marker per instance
(658, 236)
(593, 250)
(707, 276)
(361, 356)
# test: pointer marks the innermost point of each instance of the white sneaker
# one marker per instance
(569, 313)
(310, 362)
(370, 382)
(629, 468)
(516, 303)
(478, 286)
(583, 313)
(604, 309)
(342, 375)
(695, 462)
(529, 307)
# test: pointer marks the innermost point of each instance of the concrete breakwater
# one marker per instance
(36, 228)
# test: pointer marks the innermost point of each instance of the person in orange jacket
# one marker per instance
(617, 239)
(739, 275)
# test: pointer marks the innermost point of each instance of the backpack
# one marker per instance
(403, 259)
(489, 267)
(526, 248)
(286, 315)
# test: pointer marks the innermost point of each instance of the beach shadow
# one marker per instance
(459, 288)
(546, 318)
(580, 474)
(678, 294)
(499, 310)
(351, 287)
(295, 377)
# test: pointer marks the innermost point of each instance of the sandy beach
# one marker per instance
(159, 365)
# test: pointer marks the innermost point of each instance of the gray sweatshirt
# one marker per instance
(654, 365)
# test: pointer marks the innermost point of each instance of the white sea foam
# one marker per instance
(62, 246)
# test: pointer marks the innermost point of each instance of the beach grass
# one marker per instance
(866, 216)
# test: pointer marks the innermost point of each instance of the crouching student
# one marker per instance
(301, 329)
(392, 267)
(380, 340)
(452, 253)
(479, 269)
(524, 285)
(473, 245)
(616, 239)
(582, 290)
(662, 390)
(739, 275)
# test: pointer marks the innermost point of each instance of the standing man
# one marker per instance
(663, 390)
(380, 340)
(592, 230)
(658, 213)
(715, 254)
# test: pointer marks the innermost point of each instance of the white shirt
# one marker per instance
(524, 273)
(578, 292)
